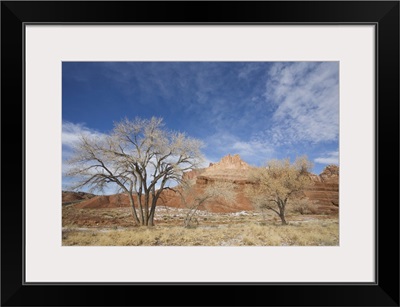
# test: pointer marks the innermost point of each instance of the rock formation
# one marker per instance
(70, 197)
(324, 194)
(325, 191)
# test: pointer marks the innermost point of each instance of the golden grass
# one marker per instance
(305, 233)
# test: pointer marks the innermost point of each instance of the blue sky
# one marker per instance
(259, 110)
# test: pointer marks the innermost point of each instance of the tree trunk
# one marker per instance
(282, 216)
(139, 198)
(152, 210)
(154, 200)
(282, 211)
(133, 209)
(146, 206)
(151, 219)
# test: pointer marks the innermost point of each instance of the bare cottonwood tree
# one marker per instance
(141, 157)
(193, 200)
(278, 182)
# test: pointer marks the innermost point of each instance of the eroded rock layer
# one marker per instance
(323, 195)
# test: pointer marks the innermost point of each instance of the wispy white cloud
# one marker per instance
(248, 108)
(252, 151)
(305, 97)
(71, 133)
(247, 69)
(329, 158)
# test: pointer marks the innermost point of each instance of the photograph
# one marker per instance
(200, 153)
(144, 149)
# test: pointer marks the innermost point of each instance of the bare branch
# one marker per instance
(278, 182)
(138, 156)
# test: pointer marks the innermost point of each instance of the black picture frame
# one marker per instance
(383, 14)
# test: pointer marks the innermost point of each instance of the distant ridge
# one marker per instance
(231, 168)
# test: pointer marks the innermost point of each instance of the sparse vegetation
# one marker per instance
(279, 182)
(89, 227)
(213, 211)
(303, 206)
(317, 233)
(215, 191)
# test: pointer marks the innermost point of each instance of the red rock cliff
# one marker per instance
(324, 193)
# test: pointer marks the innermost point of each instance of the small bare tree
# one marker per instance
(278, 182)
(216, 191)
(140, 157)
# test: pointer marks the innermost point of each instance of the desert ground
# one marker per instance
(115, 227)
(89, 219)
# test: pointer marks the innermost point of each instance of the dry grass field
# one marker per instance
(114, 227)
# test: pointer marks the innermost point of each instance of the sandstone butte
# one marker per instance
(324, 193)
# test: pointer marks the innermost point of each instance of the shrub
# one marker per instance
(303, 206)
